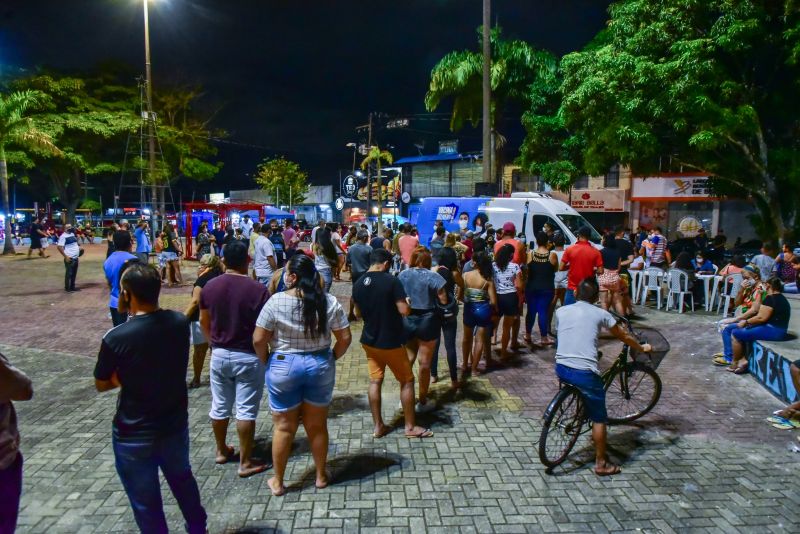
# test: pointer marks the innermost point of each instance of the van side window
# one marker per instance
(538, 226)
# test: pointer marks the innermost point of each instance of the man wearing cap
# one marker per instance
(508, 237)
(582, 261)
(68, 247)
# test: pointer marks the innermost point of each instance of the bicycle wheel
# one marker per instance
(563, 422)
(632, 393)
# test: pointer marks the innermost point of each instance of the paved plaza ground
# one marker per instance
(703, 460)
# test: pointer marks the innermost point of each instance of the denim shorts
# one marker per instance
(236, 377)
(196, 335)
(590, 385)
(293, 379)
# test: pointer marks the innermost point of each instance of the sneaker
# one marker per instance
(425, 408)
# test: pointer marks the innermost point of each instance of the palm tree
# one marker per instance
(17, 128)
(376, 155)
(516, 66)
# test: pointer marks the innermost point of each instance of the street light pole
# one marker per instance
(150, 119)
(487, 91)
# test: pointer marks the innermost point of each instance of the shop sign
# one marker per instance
(600, 200)
(350, 186)
(671, 188)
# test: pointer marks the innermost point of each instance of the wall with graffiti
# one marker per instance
(772, 370)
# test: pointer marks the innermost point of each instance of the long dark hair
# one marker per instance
(684, 261)
(325, 245)
(503, 256)
(483, 263)
(314, 302)
(447, 258)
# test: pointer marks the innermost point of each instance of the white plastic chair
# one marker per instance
(678, 284)
(652, 282)
(730, 288)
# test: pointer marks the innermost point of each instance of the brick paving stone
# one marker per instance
(704, 460)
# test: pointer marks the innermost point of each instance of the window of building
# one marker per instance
(612, 178)
(581, 183)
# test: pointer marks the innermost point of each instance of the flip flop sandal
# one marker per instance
(777, 419)
(783, 426)
(720, 361)
(426, 433)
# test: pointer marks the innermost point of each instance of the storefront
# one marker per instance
(682, 203)
(603, 208)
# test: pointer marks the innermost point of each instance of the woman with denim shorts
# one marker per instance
(296, 325)
(479, 301)
(325, 256)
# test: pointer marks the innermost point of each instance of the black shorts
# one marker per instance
(424, 326)
(508, 304)
(36, 242)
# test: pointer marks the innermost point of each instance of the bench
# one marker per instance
(770, 360)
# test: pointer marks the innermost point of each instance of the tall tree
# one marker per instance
(515, 66)
(708, 86)
(284, 180)
(376, 156)
(88, 119)
(17, 128)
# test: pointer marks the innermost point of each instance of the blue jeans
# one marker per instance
(762, 332)
(449, 329)
(590, 385)
(293, 379)
(727, 345)
(10, 492)
(327, 277)
(569, 297)
(138, 463)
(538, 305)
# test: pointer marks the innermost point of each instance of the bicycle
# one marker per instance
(632, 386)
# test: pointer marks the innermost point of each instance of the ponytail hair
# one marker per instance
(314, 301)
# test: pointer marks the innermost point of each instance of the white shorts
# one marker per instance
(196, 335)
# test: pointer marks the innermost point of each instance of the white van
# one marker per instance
(528, 211)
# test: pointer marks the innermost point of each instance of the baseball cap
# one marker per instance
(509, 228)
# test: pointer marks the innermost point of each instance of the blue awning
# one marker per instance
(434, 158)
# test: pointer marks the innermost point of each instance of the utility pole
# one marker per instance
(369, 172)
(487, 92)
(150, 121)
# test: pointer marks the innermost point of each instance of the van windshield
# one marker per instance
(574, 223)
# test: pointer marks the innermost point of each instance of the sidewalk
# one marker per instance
(703, 460)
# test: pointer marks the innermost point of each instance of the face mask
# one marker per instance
(478, 228)
(699, 261)
(463, 224)
(286, 283)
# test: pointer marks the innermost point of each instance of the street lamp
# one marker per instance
(150, 116)
(354, 146)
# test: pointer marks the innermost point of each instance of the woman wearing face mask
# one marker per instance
(297, 326)
(480, 225)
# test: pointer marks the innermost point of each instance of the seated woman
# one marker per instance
(701, 264)
(783, 264)
(748, 301)
(771, 323)
(791, 287)
(734, 267)
(685, 263)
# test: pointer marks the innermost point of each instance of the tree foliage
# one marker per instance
(705, 86)
(281, 178)
(459, 75)
(19, 130)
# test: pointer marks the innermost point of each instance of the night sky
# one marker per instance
(291, 77)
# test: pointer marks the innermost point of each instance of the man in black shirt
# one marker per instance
(37, 233)
(147, 358)
(626, 255)
(382, 301)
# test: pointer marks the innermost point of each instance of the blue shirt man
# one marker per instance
(143, 245)
(112, 268)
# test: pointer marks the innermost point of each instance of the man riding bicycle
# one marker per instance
(579, 326)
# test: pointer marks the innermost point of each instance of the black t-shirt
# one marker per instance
(150, 354)
(449, 279)
(625, 249)
(611, 257)
(201, 282)
(780, 310)
(34, 232)
(376, 295)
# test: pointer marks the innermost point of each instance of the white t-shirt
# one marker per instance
(578, 326)
(504, 280)
(69, 242)
(247, 228)
(283, 316)
(263, 250)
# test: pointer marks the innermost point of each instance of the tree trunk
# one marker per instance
(8, 247)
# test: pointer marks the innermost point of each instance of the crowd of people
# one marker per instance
(263, 305)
